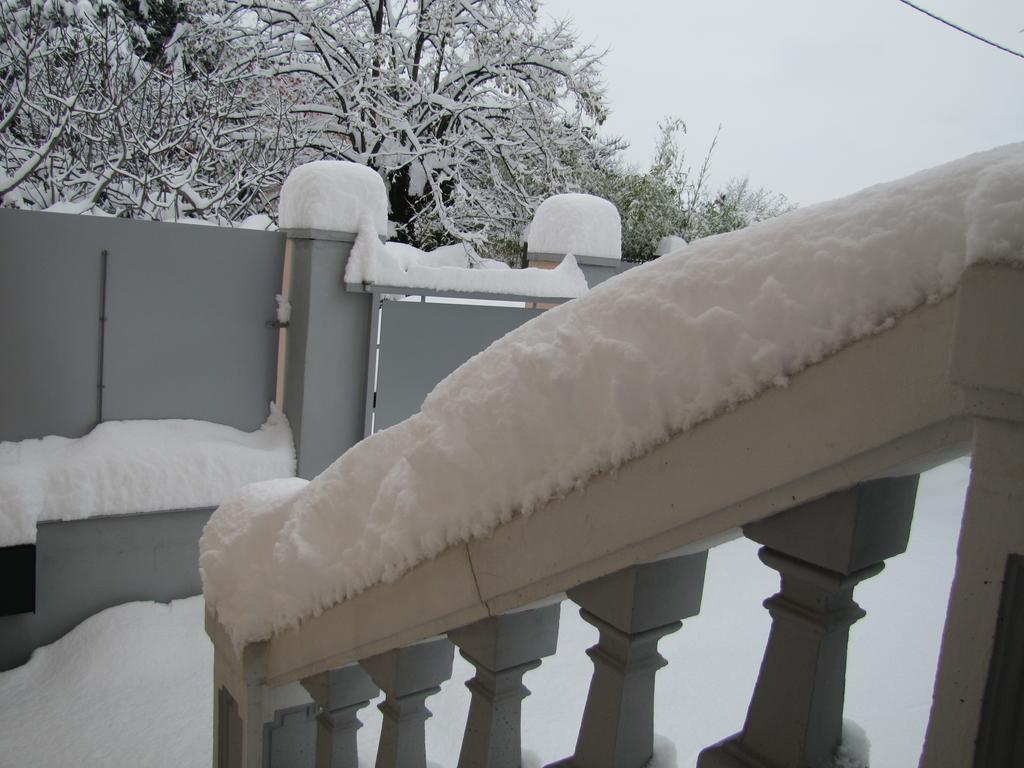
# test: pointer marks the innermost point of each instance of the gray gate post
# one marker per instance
(323, 205)
(328, 350)
(408, 676)
(822, 550)
(340, 694)
(502, 649)
(633, 609)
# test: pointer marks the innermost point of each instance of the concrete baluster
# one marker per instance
(408, 676)
(340, 694)
(632, 609)
(502, 649)
(822, 550)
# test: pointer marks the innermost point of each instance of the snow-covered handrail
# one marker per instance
(868, 338)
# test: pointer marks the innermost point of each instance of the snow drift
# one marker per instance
(122, 467)
(395, 265)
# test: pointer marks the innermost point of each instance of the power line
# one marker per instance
(967, 32)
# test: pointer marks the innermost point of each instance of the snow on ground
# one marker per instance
(128, 687)
(573, 223)
(131, 687)
(122, 467)
(604, 378)
(395, 265)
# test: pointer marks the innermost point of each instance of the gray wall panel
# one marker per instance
(186, 337)
(598, 274)
(421, 343)
(49, 316)
(85, 566)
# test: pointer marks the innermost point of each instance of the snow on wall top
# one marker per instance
(123, 467)
(583, 225)
(396, 265)
(333, 195)
(603, 379)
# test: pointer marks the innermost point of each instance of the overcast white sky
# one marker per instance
(816, 98)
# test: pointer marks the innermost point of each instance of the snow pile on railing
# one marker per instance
(598, 381)
(122, 467)
(393, 265)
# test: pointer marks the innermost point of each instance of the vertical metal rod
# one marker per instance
(103, 333)
(282, 334)
(371, 364)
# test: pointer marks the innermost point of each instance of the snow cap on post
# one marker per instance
(583, 225)
(669, 244)
(333, 196)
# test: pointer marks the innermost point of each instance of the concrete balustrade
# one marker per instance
(797, 469)
(821, 550)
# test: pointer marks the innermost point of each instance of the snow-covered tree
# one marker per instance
(469, 109)
(652, 203)
(89, 117)
(673, 198)
(735, 206)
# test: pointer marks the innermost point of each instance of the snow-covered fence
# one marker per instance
(357, 359)
(104, 320)
(786, 383)
(113, 319)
